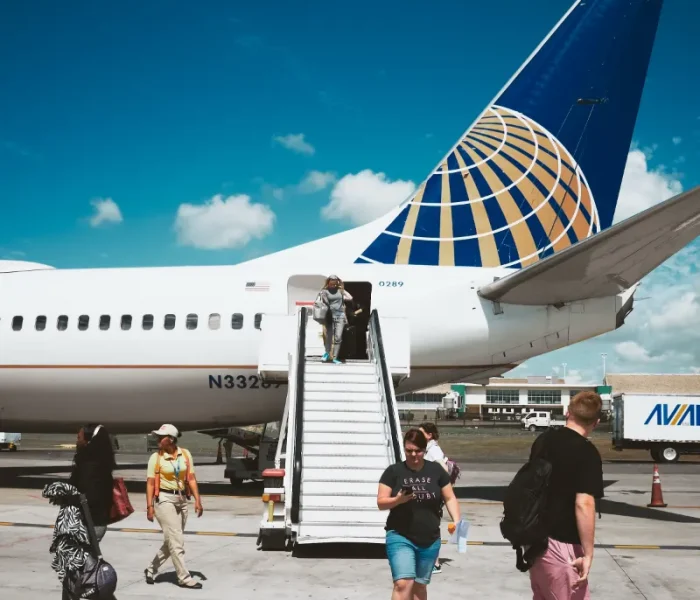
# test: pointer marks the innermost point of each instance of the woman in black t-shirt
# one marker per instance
(413, 491)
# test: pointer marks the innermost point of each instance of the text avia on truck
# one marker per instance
(667, 426)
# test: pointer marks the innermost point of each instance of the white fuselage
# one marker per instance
(133, 379)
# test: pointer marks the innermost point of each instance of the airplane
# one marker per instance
(504, 252)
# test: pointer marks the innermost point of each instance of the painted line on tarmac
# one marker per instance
(136, 530)
(255, 535)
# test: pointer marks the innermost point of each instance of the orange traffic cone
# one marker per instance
(657, 497)
(219, 456)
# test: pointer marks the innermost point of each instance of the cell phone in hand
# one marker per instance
(407, 490)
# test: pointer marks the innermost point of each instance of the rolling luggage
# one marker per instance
(348, 348)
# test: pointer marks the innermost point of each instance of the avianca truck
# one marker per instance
(667, 426)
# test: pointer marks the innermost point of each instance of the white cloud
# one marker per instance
(575, 376)
(221, 222)
(642, 188)
(295, 142)
(677, 139)
(106, 211)
(316, 181)
(362, 197)
(633, 352)
(677, 313)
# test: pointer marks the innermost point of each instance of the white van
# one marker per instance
(10, 441)
(541, 419)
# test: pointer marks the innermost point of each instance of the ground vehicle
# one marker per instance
(10, 441)
(259, 450)
(667, 426)
(541, 419)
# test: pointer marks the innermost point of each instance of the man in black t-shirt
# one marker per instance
(575, 484)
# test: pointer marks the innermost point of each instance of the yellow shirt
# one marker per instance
(168, 465)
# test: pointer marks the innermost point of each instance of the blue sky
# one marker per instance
(161, 106)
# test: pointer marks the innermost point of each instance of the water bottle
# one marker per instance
(459, 536)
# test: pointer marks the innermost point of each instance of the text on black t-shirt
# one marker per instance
(419, 519)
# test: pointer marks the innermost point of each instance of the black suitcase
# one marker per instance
(348, 347)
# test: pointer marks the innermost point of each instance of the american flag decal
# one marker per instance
(253, 286)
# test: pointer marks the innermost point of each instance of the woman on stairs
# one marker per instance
(334, 296)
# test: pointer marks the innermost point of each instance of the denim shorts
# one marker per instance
(410, 561)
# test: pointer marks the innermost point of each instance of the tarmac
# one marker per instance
(641, 552)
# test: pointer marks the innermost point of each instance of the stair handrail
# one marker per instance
(385, 381)
(282, 440)
(297, 463)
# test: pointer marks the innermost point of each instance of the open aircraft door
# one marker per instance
(302, 291)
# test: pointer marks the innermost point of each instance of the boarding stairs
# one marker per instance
(340, 430)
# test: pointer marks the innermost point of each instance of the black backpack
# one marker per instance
(525, 518)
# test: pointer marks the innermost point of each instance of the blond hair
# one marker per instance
(585, 408)
(341, 285)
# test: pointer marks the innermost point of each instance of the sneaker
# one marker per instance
(337, 362)
(326, 357)
(437, 569)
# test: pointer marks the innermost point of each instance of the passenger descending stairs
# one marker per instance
(347, 444)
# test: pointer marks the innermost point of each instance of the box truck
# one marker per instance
(667, 426)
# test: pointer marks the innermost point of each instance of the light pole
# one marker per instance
(603, 355)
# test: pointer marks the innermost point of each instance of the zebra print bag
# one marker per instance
(71, 542)
(77, 556)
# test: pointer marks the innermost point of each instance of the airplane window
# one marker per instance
(83, 322)
(169, 322)
(237, 321)
(62, 323)
(192, 320)
(258, 320)
(126, 322)
(214, 321)
(147, 322)
(40, 323)
(105, 320)
(17, 323)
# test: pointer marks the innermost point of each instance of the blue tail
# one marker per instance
(541, 167)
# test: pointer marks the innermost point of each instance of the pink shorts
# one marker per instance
(552, 576)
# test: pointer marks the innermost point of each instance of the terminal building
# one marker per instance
(507, 399)
(649, 383)
(502, 398)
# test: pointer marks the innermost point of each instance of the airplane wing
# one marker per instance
(607, 263)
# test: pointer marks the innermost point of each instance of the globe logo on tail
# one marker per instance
(507, 195)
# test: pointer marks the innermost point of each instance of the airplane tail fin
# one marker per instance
(541, 167)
